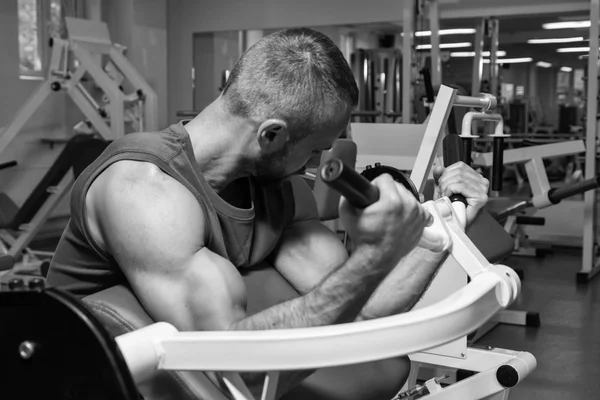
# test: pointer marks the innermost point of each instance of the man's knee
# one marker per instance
(370, 381)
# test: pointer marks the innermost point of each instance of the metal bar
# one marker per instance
(524, 154)
(576, 188)
(476, 359)
(407, 49)
(477, 60)
(34, 101)
(324, 346)
(589, 212)
(485, 101)
(41, 216)
(436, 62)
(434, 132)
(90, 112)
(495, 28)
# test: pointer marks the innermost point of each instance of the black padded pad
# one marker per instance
(120, 312)
(485, 232)
(490, 238)
(74, 357)
(86, 153)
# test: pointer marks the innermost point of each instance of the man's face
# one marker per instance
(304, 153)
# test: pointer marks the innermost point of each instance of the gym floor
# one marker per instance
(567, 344)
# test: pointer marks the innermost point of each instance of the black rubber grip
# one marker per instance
(8, 164)
(453, 153)
(498, 163)
(428, 85)
(529, 220)
(467, 150)
(556, 195)
(357, 189)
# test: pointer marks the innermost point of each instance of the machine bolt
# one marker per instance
(26, 349)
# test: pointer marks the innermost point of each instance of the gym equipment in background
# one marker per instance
(19, 225)
(544, 219)
(75, 63)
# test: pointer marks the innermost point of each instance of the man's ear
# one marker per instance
(272, 135)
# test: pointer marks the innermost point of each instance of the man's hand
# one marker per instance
(459, 178)
(392, 226)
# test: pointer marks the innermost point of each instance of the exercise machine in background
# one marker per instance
(19, 225)
(113, 96)
(411, 150)
(115, 100)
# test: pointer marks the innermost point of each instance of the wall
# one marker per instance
(188, 16)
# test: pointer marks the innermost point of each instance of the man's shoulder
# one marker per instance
(133, 179)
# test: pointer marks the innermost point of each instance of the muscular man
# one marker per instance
(178, 215)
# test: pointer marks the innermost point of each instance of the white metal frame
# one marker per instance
(493, 287)
(590, 265)
(533, 158)
(88, 40)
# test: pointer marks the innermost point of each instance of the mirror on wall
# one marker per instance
(540, 70)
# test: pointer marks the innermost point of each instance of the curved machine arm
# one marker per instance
(493, 287)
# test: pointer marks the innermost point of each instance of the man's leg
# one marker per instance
(379, 380)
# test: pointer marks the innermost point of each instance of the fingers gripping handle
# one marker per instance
(361, 193)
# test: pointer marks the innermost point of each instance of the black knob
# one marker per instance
(377, 165)
(16, 284)
(56, 86)
(36, 284)
(507, 376)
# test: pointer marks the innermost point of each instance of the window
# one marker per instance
(39, 20)
(30, 63)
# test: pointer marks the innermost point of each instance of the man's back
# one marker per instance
(82, 264)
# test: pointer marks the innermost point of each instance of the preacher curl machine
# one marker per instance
(50, 338)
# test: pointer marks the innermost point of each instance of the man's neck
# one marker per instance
(218, 143)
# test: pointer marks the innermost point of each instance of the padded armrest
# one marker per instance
(485, 232)
(120, 312)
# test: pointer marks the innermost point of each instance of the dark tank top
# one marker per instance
(245, 236)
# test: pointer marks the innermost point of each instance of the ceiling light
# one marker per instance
(543, 64)
(445, 46)
(556, 40)
(510, 60)
(499, 53)
(566, 69)
(567, 25)
(442, 32)
(573, 50)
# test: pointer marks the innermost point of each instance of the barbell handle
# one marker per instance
(361, 193)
